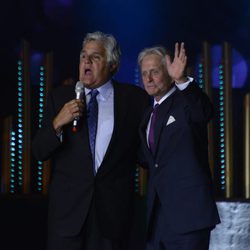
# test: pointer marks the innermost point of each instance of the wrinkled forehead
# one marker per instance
(151, 62)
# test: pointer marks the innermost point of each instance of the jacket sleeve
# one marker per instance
(196, 104)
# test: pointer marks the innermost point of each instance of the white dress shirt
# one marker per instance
(105, 124)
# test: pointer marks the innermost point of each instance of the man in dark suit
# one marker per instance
(181, 209)
(91, 189)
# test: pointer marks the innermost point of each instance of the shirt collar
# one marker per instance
(104, 90)
(170, 92)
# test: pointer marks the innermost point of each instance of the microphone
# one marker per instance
(79, 89)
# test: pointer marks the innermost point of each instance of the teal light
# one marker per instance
(222, 127)
(12, 160)
(201, 75)
(20, 110)
(41, 103)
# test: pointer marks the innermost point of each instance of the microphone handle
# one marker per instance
(78, 96)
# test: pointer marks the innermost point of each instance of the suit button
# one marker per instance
(156, 165)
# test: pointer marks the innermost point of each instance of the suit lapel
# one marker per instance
(143, 127)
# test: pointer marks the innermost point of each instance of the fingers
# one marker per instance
(74, 108)
(71, 110)
(180, 52)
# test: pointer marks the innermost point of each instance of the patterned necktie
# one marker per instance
(151, 135)
(92, 122)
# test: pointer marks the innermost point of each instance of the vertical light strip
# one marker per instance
(222, 128)
(46, 166)
(136, 179)
(26, 118)
(41, 102)
(12, 173)
(247, 145)
(228, 119)
(19, 134)
(8, 157)
(201, 75)
(137, 170)
(137, 76)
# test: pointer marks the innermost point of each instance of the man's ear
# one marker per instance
(113, 68)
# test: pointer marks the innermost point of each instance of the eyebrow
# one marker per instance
(95, 52)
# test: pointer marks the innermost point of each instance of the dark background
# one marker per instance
(59, 26)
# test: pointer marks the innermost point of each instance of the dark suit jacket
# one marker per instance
(179, 172)
(73, 185)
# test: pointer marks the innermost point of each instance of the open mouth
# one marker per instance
(87, 71)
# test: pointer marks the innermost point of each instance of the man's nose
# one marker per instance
(149, 77)
(87, 59)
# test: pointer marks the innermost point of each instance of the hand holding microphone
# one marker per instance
(71, 111)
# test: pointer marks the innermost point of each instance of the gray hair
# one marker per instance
(110, 44)
(157, 50)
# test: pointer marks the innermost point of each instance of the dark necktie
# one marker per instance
(92, 122)
(151, 135)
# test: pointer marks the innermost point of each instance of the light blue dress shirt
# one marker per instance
(105, 124)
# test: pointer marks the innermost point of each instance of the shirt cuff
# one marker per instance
(182, 86)
(60, 135)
